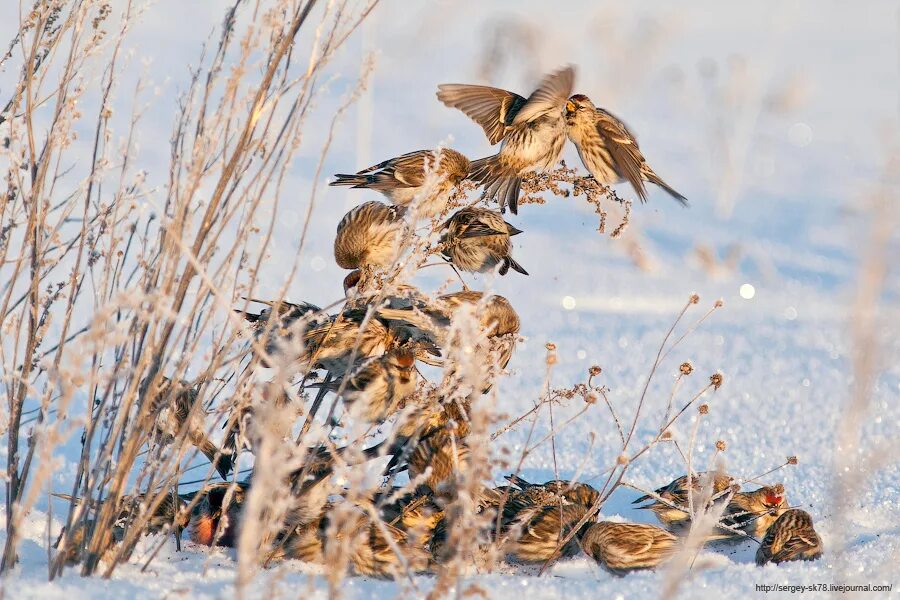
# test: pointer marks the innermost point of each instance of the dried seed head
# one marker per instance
(666, 435)
(695, 298)
(704, 409)
(792, 460)
(551, 347)
(591, 397)
(719, 303)
(595, 370)
(720, 445)
(716, 380)
(686, 368)
(622, 459)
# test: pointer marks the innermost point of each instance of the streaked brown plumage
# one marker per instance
(624, 547)
(176, 408)
(676, 492)
(754, 512)
(370, 553)
(542, 530)
(791, 537)
(446, 454)
(375, 388)
(415, 514)
(425, 176)
(608, 149)
(533, 131)
(477, 240)
(368, 236)
(573, 492)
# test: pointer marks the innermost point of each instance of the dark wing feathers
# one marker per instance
(623, 149)
(492, 108)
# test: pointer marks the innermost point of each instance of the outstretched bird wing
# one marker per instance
(551, 95)
(492, 108)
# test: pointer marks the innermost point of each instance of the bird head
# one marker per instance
(577, 103)
(773, 496)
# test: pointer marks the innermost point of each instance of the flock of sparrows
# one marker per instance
(369, 350)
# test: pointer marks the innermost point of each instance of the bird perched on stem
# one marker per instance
(533, 130)
(608, 149)
(477, 240)
(624, 547)
(573, 492)
(368, 236)
(754, 512)
(673, 513)
(375, 388)
(423, 180)
(791, 537)
(174, 409)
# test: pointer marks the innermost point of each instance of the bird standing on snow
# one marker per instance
(624, 547)
(674, 512)
(791, 537)
(368, 236)
(477, 240)
(533, 130)
(424, 179)
(754, 512)
(608, 149)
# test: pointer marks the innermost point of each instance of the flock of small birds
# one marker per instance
(368, 352)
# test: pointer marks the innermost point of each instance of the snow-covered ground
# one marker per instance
(774, 118)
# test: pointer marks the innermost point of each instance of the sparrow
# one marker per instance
(791, 537)
(277, 325)
(533, 130)
(754, 512)
(414, 513)
(423, 179)
(370, 553)
(446, 454)
(211, 511)
(374, 389)
(368, 236)
(676, 493)
(477, 240)
(573, 492)
(608, 149)
(173, 405)
(624, 547)
(542, 530)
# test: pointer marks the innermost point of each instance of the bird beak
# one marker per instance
(570, 107)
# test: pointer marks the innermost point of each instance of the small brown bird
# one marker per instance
(542, 531)
(370, 553)
(791, 537)
(416, 514)
(278, 325)
(624, 547)
(573, 492)
(445, 454)
(477, 240)
(376, 386)
(174, 406)
(533, 130)
(754, 512)
(423, 179)
(368, 236)
(220, 505)
(676, 492)
(331, 345)
(608, 149)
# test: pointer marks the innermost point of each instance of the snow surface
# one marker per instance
(800, 219)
